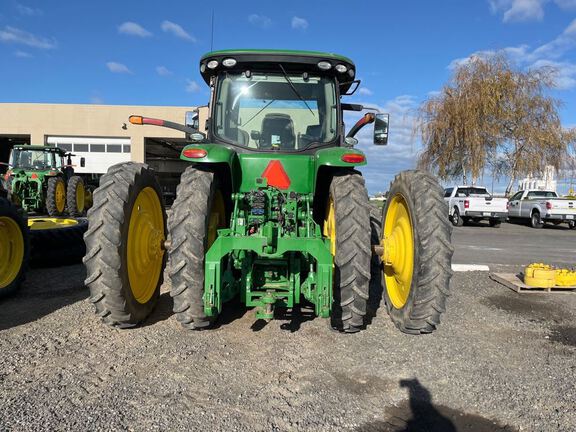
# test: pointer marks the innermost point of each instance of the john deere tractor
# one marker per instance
(271, 210)
(41, 179)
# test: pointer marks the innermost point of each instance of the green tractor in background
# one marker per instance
(272, 209)
(41, 179)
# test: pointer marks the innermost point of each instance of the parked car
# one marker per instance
(540, 206)
(474, 203)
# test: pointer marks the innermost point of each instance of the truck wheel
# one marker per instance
(536, 220)
(495, 223)
(125, 256)
(56, 196)
(347, 225)
(197, 213)
(14, 248)
(456, 219)
(417, 252)
(571, 224)
(76, 196)
(56, 241)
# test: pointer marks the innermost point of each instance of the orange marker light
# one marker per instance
(137, 120)
(194, 153)
(353, 158)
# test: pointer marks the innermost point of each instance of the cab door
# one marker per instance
(514, 204)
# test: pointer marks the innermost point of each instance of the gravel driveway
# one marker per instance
(500, 361)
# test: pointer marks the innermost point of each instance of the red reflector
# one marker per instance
(353, 158)
(195, 153)
(466, 204)
(548, 205)
(276, 175)
(34, 176)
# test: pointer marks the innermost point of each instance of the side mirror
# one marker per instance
(82, 162)
(192, 119)
(381, 129)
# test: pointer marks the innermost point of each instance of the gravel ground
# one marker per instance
(500, 361)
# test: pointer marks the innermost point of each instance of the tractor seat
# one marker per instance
(277, 132)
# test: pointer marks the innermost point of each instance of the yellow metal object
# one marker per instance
(398, 257)
(330, 226)
(565, 277)
(11, 251)
(217, 218)
(36, 224)
(60, 196)
(145, 252)
(80, 197)
(540, 275)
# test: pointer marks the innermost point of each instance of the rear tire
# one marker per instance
(125, 259)
(189, 233)
(14, 248)
(57, 245)
(536, 220)
(418, 195)
(353, 251)
(456, 219)
(56, 196)
(76, 197)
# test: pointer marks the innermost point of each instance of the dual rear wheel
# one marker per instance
(60, 198)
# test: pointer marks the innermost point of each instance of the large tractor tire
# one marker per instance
(56, 196)
(76, 197)
(56, 242)
(14, 248)
(347, 225)
(125, 256)
(197, 214)
(417, 252)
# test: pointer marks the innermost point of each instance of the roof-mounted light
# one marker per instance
(351, 73)
(203, 68)
(324, 65)
(212, 64)
(341, 68)
(229, 62)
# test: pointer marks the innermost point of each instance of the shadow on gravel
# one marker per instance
(419, 414)
(536, 308)
(566, 335)
(44, 292)
(376, 288)
(162, 311)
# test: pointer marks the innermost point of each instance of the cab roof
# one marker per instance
(41, 148)
(268, 60)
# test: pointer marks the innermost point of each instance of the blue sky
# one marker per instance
(147, 52)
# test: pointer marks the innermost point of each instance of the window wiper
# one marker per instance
(294, 90)
(262, 109)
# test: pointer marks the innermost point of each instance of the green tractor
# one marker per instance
(272, 209)
(41, 179)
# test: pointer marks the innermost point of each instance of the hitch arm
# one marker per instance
(139, 120)
(367, 119)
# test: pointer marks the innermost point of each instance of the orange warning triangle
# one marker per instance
(276, 175)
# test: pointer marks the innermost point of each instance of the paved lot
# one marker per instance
(514, 245)
(499, 362)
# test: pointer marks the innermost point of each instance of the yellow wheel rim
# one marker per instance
(398, 244)
(217, 218)
(80, 197)
(330, 226)
(11, 251)
(37, 224)
(60, 196)
(145, 252)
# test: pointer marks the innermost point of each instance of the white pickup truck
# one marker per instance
(474, 203)
(538, 207)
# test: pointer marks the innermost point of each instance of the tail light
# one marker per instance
(466, 204)
(548, 205)
(508, 206)
(194, 153)
(353, 158)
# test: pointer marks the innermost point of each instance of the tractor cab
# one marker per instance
(37, 158)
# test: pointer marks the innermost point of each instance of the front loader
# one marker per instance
(271, 210)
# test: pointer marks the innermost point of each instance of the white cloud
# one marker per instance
(96, 100)
(299, 23)
(29, 11)
(365, 91)
(550, 54)
(115, 67)
(22, 54)
(526, 10)
(133, 29)
(163, 71)
(261, 21)
(192, 86)
(177, 30)
(17, 36)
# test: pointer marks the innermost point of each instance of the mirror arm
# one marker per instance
(367, 119)
(139, 120)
